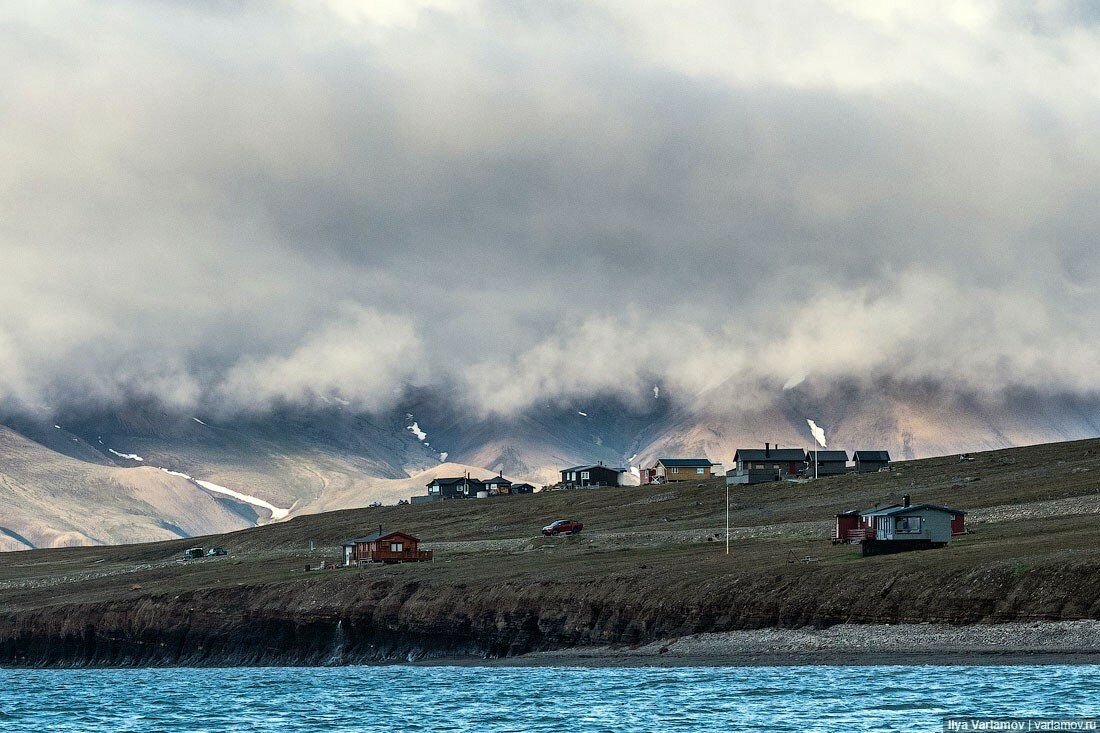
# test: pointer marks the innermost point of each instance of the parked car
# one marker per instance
(217, 552)
(562, 526)
(193, 553)
(375, 504)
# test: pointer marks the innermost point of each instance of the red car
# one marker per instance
(562, 526)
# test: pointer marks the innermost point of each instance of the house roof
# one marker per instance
(497, 480)
(450, 481)
(516, 486)
(824, 456)
(690, 462)
(381, 536)
(591, 466)
(872, 455)
(772, 454)
(896, 509)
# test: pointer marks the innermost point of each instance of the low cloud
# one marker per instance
(242, 205)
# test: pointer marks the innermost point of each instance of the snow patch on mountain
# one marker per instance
(277, 513)
(128, 456)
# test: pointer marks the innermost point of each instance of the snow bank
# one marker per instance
(130, 456)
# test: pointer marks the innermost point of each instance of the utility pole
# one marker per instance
(727, 518)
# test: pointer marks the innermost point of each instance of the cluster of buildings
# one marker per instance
(770, 463)
(758, 465)
(466, 487)
(751, 466)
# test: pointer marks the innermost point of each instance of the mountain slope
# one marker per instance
(52, 500)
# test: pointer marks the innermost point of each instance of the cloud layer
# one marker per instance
(244, 204)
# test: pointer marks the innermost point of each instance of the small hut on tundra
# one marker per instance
(900, 527)
(386, 547)
(829, 462)
(869, 461)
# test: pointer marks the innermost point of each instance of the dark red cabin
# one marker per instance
(388, 547)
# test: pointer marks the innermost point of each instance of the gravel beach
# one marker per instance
(1040, 642)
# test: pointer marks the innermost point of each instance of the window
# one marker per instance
(434, 488)
(700, 471)
(907, 525)
(397, 547)
(569, 476)
(584, 475)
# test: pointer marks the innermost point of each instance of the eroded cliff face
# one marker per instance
(314, 623)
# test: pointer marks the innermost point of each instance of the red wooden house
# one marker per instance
(388, 547)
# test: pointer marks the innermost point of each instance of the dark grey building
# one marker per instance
(829, 462)
(462, 487)
(497, 485)
(869, 461)
(757, 465)
(591, 475)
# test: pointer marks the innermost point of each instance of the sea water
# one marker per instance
(467, 698)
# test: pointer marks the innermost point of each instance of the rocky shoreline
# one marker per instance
(1039, 642)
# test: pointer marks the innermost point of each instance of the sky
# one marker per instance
(237, 205)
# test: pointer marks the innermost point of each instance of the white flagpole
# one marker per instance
(727, 519)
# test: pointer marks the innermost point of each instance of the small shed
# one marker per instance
(590, 475)
(829, 462)
(668, 470)
(385, 547)
(869, 461)
(848, 527)
(522, 488)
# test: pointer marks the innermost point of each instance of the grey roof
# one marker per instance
(380, 535)
(872, 455)
(450, 481)
(497, 480)
(686, 462)
(895, 509)
(772, 454)
(591, 466)
(827, 455)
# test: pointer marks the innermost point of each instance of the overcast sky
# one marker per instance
(242, 203)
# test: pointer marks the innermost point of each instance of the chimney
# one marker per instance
(767, 450)
(905, 500)
(380, 530)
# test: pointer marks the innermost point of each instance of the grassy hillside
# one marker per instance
(651, 564)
